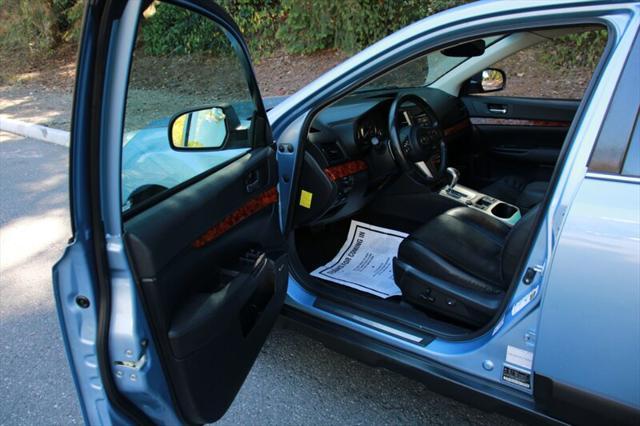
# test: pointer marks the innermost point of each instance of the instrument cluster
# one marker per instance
(371, 131)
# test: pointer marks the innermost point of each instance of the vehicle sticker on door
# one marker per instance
(519, 357)
(516, 376)
(524, 301)
(305, 199)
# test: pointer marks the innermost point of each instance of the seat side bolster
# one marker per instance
(413, 252)
(406, 275)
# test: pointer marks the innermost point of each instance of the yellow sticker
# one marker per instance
(305, 199)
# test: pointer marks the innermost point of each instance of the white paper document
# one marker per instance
(365, 261)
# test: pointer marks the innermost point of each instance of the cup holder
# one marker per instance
(503, 210)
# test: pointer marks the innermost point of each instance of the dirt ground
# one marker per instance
(529, 77)
(41, 92)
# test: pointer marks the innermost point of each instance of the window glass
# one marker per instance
(421, 71)
(560, 67)
(184, 68)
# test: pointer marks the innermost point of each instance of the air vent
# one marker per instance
(313, 130)
(332, 152)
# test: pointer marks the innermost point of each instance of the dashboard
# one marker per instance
(347, 156)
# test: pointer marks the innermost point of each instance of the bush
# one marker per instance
(37, 27)
(172, 30)
(298, 26)
(576, 50)
(349, 25)
(28, 27)
(258, 20)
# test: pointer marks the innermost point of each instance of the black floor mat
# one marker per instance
(317, 246)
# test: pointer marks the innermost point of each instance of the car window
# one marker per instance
(558, 68)
(421, 71)
(186, 88)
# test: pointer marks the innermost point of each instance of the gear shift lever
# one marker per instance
(455, 175)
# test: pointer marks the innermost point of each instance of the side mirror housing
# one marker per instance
(201, 128)
(488, 80)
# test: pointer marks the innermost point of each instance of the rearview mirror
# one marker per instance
(466, 50)
(489, 80)
(204, 128)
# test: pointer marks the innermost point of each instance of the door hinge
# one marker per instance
(125, 366)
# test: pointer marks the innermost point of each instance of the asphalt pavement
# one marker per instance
(295, 380)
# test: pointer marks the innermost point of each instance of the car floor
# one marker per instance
(315, 246)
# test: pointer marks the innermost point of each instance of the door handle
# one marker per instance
(497, 109)
(252, 181)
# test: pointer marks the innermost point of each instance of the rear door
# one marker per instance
(587, 358)
(176, 271)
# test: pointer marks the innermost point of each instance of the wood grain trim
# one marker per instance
(250, 208)
(345, 169)
(491, 121)
(456, 128)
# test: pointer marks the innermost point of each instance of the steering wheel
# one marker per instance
(417, 143)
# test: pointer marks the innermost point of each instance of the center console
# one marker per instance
(505, 212)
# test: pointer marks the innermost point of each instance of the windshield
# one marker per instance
(421, 71)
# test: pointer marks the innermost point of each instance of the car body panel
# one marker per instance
(591, 309)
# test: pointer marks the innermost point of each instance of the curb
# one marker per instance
(35, 131)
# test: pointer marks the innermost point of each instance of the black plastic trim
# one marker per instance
(579, 407)
(613, 140)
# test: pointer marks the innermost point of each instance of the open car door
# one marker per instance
(176, 271)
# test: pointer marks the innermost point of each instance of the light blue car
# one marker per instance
(486, 245)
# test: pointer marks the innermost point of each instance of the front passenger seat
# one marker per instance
(518, 191)
(461, 263)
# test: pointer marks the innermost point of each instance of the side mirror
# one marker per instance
(489, 80)
(204, 128)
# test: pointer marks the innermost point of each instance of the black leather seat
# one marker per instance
(461, 263)
(518, 191)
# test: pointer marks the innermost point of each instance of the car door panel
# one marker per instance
(206, 266)
(521, 136)
(538, 145)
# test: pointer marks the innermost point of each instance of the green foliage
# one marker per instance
(308, 25)
(174, 30)
(68, 15)
(27, 26)
(298, 26)
(349, 25)
(258, 20)
(576, 50)
(37, 27)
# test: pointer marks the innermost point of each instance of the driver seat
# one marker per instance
(461, 263)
